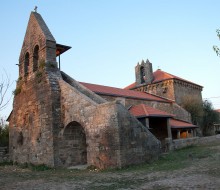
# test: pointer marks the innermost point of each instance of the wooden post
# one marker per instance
(178, 134)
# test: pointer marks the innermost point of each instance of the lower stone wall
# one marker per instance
(181, 143)
(4, 155)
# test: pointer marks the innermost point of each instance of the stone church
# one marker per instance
(61, 122)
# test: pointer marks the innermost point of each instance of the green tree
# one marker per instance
(210, 116)
(216, 48)
(4, 133)
(195, 107)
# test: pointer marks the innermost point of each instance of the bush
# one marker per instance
(4, 135)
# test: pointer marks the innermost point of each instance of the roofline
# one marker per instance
(154, 115)
(173, 77)
(177, 127)
(101, 93)
(181, 127)
(177, 78)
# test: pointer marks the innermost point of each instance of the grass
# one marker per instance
(129, 177)
(171, 161)
(32, 167)
(167, 162)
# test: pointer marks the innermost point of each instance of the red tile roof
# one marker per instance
(159, 76)
(143, 110)
(218, 110)
(177, 124)
(112, 91)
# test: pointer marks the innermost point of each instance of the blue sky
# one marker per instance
(108, 38)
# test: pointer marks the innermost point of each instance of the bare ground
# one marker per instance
(191, 168)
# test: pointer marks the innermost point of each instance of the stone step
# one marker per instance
(3, 148)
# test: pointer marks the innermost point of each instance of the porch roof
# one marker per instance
(178, 124)
(142, 110)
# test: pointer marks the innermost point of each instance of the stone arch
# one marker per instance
(35, 58)
(26, 63)
(73, 148)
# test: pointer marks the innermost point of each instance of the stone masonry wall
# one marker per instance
(98, 123)
(137, 144)
(104, 126)
(32, 122)
(183, 89)
(169, 107)
(35, 36)
(163, 89)
(181, 143)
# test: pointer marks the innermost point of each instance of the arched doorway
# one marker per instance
(73, 145)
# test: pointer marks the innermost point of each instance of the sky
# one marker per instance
(108, 38)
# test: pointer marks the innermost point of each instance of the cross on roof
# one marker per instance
(35, 9)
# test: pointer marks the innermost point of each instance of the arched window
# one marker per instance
(142, 73)
(35, 58)
(26, 63)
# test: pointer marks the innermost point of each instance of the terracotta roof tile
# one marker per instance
(143, 110)
(218, 110)
(112, 91)
(177, 124)
(130, 86)
(159, 76)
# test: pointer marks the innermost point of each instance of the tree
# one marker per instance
(216, 48)
(4, 133)
(202, 113)
(194, 106)
(210, 116)
(5, 83)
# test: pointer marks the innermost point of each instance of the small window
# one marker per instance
(142, 72)
(35, 58)
(26, 63)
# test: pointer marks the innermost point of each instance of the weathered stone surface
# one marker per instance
(170, 107)
(181, 143)
(105, 126)
(58, 122)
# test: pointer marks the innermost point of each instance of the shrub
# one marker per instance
(4, 135)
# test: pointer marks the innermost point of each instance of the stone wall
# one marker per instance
(169, 107)
(37, 34)
(114, 138)
(184, 89)
(173, 89)
(181, 143)
(35, 118)
(4, 154)
(137, 143)
(163, 89)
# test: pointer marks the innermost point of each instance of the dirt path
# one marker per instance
(198, 168)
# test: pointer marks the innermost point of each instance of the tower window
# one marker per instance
(26, 63)
(142, 72)
(35, 58)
